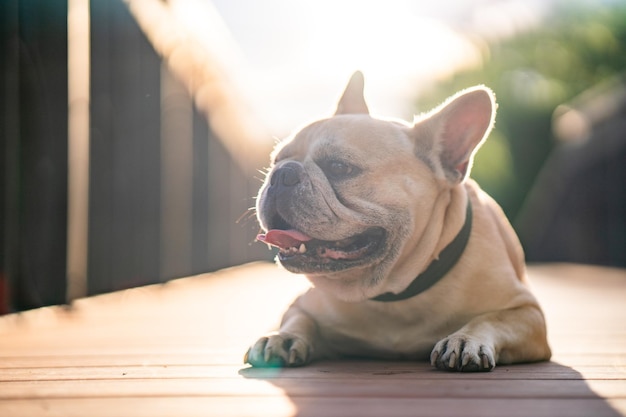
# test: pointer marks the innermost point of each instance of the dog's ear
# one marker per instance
(352, 100)
(457, 128)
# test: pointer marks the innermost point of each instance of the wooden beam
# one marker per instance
(78, 148)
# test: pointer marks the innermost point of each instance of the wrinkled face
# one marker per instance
(351, 200)
(342, 197)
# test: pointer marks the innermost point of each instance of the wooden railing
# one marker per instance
(161, 166)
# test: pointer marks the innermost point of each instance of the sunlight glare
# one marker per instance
(316, 47)
(384, 41)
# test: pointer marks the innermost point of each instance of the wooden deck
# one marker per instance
(176, 349)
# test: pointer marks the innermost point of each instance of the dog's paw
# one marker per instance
(462, 353)
(278, 350)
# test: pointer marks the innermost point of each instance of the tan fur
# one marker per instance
(412, 183)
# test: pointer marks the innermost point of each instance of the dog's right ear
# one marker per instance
(454, 131)
(352, 101)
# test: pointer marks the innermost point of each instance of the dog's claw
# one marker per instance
(433, 357)
(465, 360)
(278, 350)
(485, 361)
(462, 353)
(293, 356)
(452, 362)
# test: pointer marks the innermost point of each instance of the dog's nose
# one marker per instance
(287, 175)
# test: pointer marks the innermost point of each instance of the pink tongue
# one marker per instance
(284, 239)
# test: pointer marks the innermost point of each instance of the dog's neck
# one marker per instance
(439, 267)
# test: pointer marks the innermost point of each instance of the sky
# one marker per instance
(291, 59)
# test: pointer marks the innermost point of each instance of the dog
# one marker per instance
(408, 257)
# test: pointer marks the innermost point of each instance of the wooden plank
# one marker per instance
(176, 177)
(151, 407)
(33, 133)
(10, 151)
(78, 148)
(123, 385)
(124, 238)
(129, 367)
(305, 407)
(200, 355)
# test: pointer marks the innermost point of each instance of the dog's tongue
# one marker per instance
(284, 239)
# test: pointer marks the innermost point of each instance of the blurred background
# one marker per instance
(134, 133)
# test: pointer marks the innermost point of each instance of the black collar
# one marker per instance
(439, 267)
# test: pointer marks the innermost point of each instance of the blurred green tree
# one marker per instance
(576, 47)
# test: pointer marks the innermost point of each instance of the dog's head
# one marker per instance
(349, 197)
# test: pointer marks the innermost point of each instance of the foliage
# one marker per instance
(532, 73)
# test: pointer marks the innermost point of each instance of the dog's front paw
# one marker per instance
(278, 350)
(462, 353)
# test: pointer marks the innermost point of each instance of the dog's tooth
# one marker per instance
(302, 248)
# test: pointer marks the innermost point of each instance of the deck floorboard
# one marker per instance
(176, 350)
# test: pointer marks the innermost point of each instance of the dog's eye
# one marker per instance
(339, 170)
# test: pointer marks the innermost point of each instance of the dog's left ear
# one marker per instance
(352, 101)
(456, 130)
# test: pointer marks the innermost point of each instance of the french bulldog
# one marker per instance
(408, 257)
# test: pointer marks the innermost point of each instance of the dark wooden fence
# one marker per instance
(164, 194)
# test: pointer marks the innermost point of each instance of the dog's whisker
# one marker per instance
(247, 215)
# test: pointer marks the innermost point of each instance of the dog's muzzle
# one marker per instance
(299, 252)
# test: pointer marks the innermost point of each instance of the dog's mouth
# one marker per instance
(304, 254)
